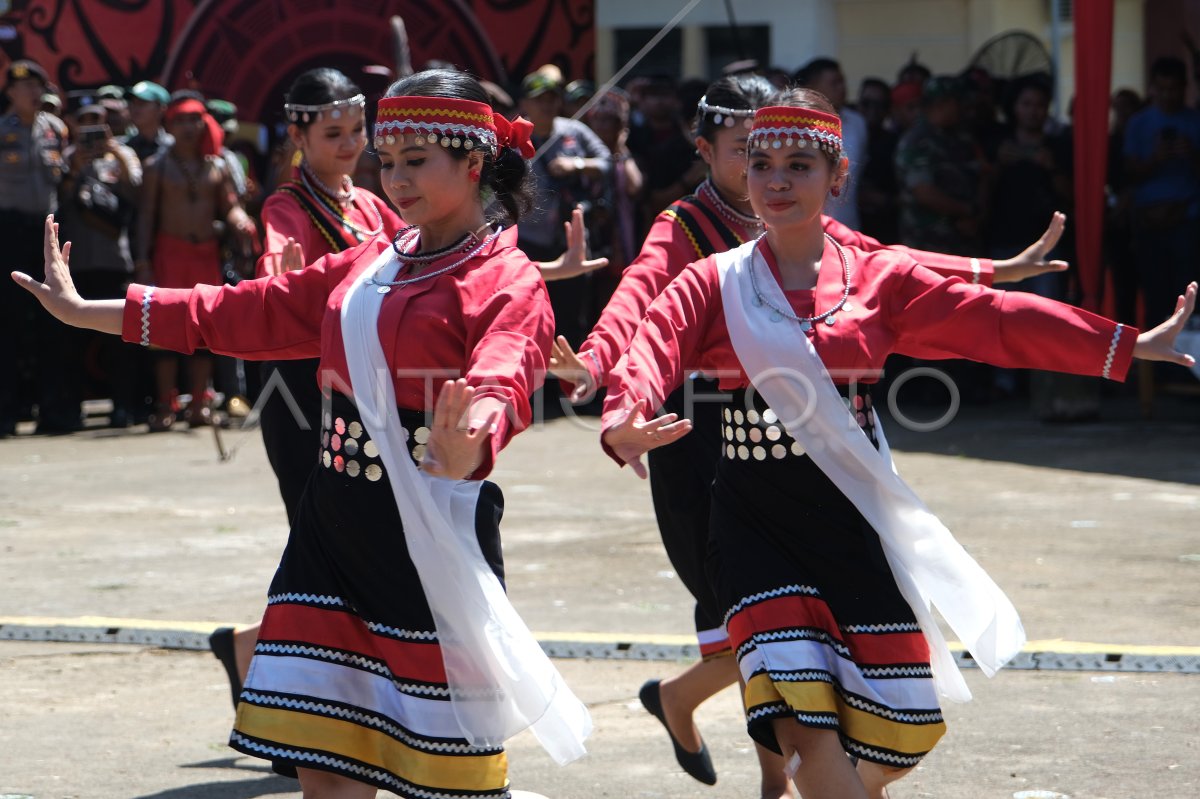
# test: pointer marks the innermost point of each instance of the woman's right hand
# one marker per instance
(289, 259)
(566, 365)
(57, 295)
(634, 436)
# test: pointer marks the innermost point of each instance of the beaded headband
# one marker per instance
(297, 112)
(450, 123)
(722, 115)
(779, 126)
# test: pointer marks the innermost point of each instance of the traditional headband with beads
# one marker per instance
(779, 126)
(450, 123)
(297, 112)
(725, 116)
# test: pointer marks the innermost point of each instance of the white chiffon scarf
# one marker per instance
(501, 682)
(930, 567)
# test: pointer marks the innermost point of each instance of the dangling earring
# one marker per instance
(836, 191)
(473, 175)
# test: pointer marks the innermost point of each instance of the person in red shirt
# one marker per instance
(308, 218)
(824, 561)
(349, 681)
(717, 217)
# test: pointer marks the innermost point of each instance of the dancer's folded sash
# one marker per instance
(929, 565)
(501, 682)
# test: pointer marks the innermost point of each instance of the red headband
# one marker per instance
(450, 123)
(777, 126)
(213, 137)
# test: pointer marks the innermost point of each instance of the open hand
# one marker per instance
(289, 259)
(566, 365)
(57, 295)
(455, 446)
(1032, 261)
(571, 263)
(1158, 344)
(635, 436)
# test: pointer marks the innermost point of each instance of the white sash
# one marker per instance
(501, 682)
(929, 566)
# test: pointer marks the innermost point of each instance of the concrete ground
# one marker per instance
(1091, 529)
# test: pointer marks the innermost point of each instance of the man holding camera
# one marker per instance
(97, 201)
(31, 167)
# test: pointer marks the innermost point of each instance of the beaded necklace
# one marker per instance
(405, 237)
(778, 314)
(343, 196)
(308, 179)
(726, 210)
(387, 285)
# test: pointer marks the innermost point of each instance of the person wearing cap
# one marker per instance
(941, 188)
(225, 113)
(97, 200)
(187, 189)
(570, 157)
(31, 167)
(147, 102)
(576, 93)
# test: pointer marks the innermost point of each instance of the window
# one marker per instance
(665, 59)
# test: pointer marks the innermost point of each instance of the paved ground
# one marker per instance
(1092, 529)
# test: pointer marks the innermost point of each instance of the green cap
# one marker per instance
(110, 92)
(536, 83)
(150, 92)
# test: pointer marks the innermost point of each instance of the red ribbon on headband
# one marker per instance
(516, 133)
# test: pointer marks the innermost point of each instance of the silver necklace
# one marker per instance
(361, 233)
(806, 322)
(345, 195)
(726, 210)
(387, 285)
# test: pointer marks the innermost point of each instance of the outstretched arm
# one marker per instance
(573, 262)
(58, 295)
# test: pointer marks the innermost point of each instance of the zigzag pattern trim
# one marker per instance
(878, 756)
(353, 659)
(769, 711)
(800, 634)
(896, 627)
(366, 720)
(894, 715)
(318, 599)
(1112, 352)
(806, 590)
(146, 296)
(805, 675)
(396, 632)
(482, 119)
(401, 787)
(896, 671)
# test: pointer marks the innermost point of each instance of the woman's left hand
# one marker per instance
(1158, 344)
(571, 263)
(1032, 261)
(459, 432)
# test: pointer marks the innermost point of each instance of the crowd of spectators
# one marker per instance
(964, 164)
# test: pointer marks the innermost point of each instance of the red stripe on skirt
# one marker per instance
(788, 612)
(420, 661)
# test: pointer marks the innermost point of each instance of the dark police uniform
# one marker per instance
(31, 168)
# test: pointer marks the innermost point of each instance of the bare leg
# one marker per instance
(685, 692)
(166, 370)
(200, 369)
(825, 771)
(244, 641)
(775, 784)
(323, 785)
(876, 778)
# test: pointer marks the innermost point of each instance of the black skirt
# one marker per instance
(347, 676)
(821, 631)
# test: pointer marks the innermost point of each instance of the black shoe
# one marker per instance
(697, 764)
(284, 769)
(221, 644)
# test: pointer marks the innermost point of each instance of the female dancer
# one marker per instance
(824, 562)
(716, 218)
(305, 219)
(309, 219)
(389, 657)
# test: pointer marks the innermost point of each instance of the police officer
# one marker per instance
(31, 168)
(147, 102)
